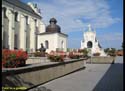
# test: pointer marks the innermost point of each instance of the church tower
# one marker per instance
(90, 42)
(53, 39)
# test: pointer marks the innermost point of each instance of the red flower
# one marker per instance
(11, 58)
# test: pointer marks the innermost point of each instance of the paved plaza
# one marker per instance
(95, 77)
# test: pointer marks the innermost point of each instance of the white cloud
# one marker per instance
(116, 36)
(76, 14)
(111, 40)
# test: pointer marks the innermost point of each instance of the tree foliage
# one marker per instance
(110, 51)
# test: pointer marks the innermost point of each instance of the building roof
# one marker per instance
(22, 5)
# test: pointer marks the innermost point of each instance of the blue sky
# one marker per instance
(105, 16)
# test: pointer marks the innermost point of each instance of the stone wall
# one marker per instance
(101, 59)
(33, 75)
(34, 60)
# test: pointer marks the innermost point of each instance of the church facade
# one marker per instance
(52, 38)
(20, 25)
(90, 42)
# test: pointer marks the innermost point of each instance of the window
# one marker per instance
(46, 44)
(16, 14)
(36, 22)
(15, 41)
(26, 20)
(62, 45)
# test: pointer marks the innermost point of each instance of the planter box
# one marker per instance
(100, 60)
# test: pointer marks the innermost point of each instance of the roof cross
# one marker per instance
(89, 26)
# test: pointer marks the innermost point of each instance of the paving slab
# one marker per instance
(95, 77)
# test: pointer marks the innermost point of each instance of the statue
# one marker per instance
(42, 49)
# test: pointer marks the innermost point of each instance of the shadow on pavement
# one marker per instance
(112, 79)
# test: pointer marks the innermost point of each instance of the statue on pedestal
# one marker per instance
(42, 49)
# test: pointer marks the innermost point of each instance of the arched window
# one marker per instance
(27, 20)
(16, 16)
(46, 44)
(89, 44)
(62, 45)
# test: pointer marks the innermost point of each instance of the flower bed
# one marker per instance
(76, 55)
(73, 56)
(13, 58)
(84, 52)
(55, 56)
(39, 54)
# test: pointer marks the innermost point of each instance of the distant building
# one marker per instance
(53, 38)
(20, 25)
(90, 42)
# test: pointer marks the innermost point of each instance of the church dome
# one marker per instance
(53, 20)
(52, 27)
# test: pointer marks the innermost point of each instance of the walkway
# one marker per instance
(96, 77)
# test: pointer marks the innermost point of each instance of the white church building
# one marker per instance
(52, 38)
(22, 28)
(90, 42)
(20, 24)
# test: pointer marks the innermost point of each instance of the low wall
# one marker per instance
(100, 59)
(33, 75)
(34, 60)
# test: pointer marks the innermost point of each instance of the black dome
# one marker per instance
(53, 20)
(53, 27)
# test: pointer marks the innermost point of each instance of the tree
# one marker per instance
(85, 52)
(110, 51)
(106, 50)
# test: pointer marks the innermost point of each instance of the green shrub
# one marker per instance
(39, 54)
(72, 56)
(56, 58)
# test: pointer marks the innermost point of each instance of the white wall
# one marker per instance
(41, 27)
(51, 39)
(22, 22)
(54, 40)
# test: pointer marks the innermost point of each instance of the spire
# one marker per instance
(94, 29)
(89, 27)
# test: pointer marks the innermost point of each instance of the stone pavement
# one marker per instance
(95, 77)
